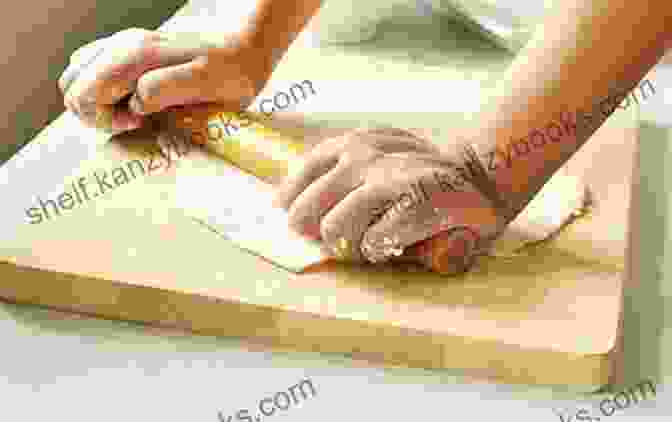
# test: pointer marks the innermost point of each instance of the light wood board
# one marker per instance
(130, 254)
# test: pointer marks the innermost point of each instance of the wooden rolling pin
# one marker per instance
(244, 140)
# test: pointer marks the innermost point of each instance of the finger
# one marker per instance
(316, 163)
(84, 56)
(317, 199)
(187, 83)
(113, 74)
(78, 62)
(113, 119)
(344, 226)
(451, 252)
(394, 140)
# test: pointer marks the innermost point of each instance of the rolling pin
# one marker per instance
(243, 139)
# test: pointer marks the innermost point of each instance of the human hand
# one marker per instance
(370, 194)
(114, 82)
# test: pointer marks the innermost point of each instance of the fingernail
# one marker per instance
(307, 226)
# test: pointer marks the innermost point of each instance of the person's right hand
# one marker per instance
(158, 70)
(370, 194)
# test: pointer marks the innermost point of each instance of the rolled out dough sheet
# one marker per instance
(243, 213)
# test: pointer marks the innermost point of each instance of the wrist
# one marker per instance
(483, 175)
(511, 185)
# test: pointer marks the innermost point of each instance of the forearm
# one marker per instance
(274, 25)
(585, 53)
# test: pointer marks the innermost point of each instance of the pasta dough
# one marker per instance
(558, 204)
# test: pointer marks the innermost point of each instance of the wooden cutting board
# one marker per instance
(131, 254)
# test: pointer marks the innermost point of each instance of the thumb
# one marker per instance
(188, 83)
(449, 252)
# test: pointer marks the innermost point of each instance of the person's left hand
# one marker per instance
(371, 193)
(115, 82)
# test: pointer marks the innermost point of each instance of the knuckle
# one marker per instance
(140, 43)
(77, 102)
(69, 97)
(68, 103)
(346, 159)
(144, 50)
(313, 158)
(313, 163)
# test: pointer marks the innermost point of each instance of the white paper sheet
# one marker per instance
(238, 206)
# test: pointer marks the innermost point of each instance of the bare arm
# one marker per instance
(161, 69)
(580, 64)
(273, 26)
